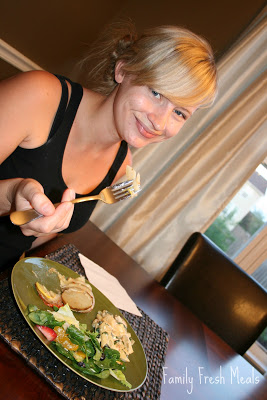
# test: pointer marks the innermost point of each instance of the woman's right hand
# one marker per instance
(30, 194)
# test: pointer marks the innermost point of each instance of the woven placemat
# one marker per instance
(16, 333)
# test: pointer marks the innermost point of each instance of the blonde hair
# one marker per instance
(171, 60)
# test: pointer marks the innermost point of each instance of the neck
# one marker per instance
(96, 123)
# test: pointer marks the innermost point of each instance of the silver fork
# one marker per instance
(109, 195)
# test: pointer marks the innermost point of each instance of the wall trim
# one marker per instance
(15, 58)
(255, 253)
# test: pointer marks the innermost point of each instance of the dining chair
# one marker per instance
(218, 291)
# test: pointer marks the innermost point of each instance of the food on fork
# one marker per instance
(132, 175)
(109, 195)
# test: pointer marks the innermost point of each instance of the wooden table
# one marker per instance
(199, 365)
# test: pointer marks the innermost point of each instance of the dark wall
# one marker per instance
(55, 33)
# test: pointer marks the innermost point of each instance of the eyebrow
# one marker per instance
(185, 110)
(181, 107)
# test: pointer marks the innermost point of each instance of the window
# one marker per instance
(244, 217)
(240, 225)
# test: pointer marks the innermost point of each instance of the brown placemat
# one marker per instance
(17, 334)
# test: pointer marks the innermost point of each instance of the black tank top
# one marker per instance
(45, 165)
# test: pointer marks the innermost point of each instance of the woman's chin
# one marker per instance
(139, 142)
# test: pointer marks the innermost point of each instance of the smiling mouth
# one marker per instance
(144, 131)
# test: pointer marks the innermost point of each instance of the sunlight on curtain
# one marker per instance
(189, 179)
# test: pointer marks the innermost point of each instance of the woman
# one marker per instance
(59, 140)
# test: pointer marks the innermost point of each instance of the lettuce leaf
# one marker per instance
(116, 373)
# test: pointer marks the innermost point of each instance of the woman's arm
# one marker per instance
(28, 103)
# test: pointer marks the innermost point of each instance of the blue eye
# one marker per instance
(180, 114)
(156, 94)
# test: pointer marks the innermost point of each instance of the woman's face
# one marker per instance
(143, 116)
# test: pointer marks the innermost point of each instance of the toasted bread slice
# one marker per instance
(79, 300)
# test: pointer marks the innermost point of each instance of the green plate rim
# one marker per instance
(94, 380)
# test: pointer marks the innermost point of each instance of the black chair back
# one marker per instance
(219, 292)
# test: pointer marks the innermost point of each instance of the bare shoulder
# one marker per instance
(26, 83)
(28, 102)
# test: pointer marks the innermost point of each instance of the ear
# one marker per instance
(119, 72)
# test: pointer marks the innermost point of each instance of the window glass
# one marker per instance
(243, 217)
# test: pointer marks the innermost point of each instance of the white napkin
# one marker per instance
(108, 285)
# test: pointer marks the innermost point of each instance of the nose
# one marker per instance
(159, 118)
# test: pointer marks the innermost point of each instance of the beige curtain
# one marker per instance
(189, 179)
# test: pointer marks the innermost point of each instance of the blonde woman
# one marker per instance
(60, 140)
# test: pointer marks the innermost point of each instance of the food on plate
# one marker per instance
(66, 317)
(49, 333)
(87, 350)
(113, 333)
(49, 297)
(78, 300)
(131, 175)
(77, 293)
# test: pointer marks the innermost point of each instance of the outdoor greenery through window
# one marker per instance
(241, 220)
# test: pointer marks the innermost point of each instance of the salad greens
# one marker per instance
(45, 318)
(89, 357)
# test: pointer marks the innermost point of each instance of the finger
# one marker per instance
(57, 222)
(68, 195)
(63, 214)
(42, 204)
(50, 224)
(33, 192)
(66, 209)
